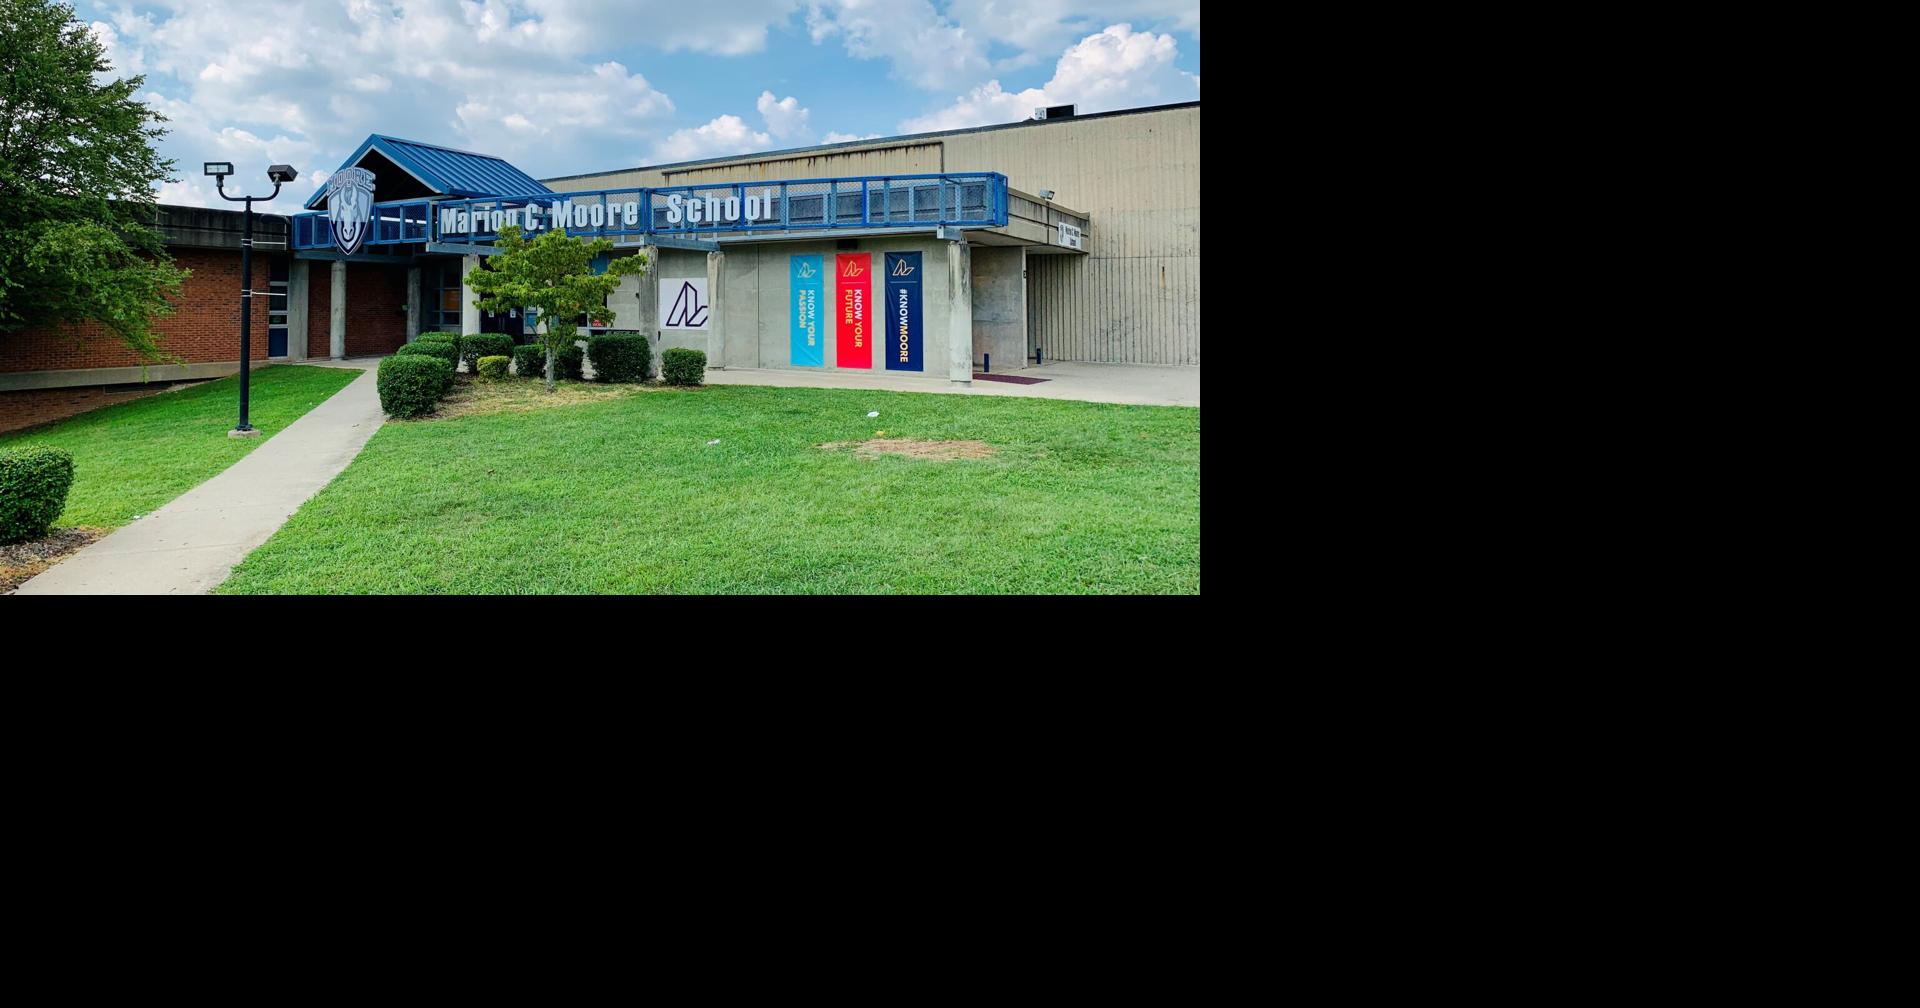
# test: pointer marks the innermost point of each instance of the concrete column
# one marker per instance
(716, 322)
(337, 318)
(297, 280)
(413, 303)
(959, 313)
(469, 312)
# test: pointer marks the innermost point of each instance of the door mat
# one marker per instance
(1015, 379)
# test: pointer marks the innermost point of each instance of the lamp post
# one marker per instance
(279, 174)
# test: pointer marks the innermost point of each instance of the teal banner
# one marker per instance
(808, 276)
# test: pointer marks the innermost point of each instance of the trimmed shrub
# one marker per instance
(681, 366)
(439, 337)
(410, 384)
(619, 357)
(494, 368)
(472, 348)
(33, 490)
(434, 348)
(529, 361)
(567, 363)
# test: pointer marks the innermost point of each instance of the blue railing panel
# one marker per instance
(975, 199)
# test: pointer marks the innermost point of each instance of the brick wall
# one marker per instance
(27, 407)
(376, 309)
(205, 324)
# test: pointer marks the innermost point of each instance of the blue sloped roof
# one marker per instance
(447, 171)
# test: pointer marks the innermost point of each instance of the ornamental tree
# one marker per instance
(77, 175)
(554, 274)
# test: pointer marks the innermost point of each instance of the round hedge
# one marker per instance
(411, 384)
(529, 361)
(494, 368)
(619, 357)
(681, 366)
(474, 347)
(434, 348)
(33, 490)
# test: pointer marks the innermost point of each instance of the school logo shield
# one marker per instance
(350, 207)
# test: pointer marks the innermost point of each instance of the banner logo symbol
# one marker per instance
(902, 268)
(853, 269)
(350, 207)
(687, 311)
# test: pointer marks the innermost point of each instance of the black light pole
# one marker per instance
(279, 174)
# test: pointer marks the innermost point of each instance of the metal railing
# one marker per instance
(972, 199)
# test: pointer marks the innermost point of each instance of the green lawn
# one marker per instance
(627, 496)
(132, 458)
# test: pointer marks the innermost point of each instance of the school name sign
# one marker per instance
(681, 211)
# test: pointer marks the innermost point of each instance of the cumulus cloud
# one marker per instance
(1114, 68)
(926, 50)
(473, 75)
(125, 61)
(837, 137)
(946, 48)
(727, 134)
(784, 118)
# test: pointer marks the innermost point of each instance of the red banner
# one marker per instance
(854, 292)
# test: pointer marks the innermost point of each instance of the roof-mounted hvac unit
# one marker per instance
(1054, 112)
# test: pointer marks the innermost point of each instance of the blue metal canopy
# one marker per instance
(446, 171)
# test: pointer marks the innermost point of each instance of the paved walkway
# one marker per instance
(1137, 384)
(190, 544)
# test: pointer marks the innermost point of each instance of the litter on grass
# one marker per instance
(873, 414)
(715, 441)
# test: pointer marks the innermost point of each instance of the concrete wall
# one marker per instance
(1134, 298)
(1000, 307)
(754, 303)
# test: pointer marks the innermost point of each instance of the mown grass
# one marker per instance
(628, 496)
(131, 458)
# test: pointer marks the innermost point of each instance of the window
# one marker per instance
(277, 283)
(445, 289)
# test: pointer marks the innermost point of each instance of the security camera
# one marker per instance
(1046, 194)
(282, 173)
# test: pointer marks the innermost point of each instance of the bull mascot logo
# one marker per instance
(350, 207)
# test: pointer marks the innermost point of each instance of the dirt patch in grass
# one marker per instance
(940, 451)
(22, 560)
(475, 397)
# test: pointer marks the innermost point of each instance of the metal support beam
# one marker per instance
(460, 248)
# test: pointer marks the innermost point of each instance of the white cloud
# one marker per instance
(126, 61)
(784, 118)
(926, 50)
(943, 49)
(836, 137)
(1112, 69)
(727, 134)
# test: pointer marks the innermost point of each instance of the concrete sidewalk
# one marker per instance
(1136, 384)
(191, 543)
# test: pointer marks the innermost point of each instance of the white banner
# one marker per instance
(683, 303)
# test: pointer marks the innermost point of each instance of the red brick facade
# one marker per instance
(205, 324)
(28, 407)
(376, 309)
(205, 328)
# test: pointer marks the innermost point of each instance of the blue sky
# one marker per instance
(568, 86)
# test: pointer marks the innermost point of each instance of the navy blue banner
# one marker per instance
(902, 345)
